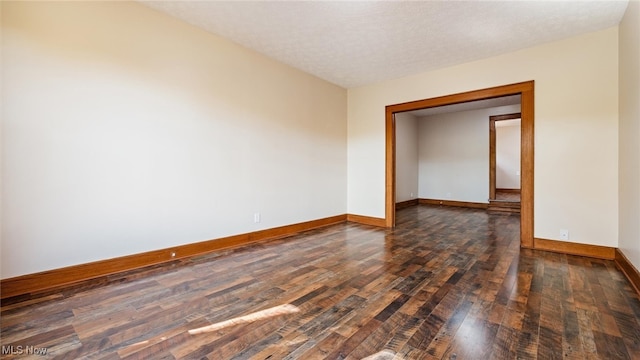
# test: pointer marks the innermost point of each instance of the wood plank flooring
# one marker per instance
(446, 283)
(507, 195)
(505, 202)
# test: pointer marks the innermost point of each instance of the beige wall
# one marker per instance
(124, 130)
(406, 157)
(454, 154)
(630, 133)
(508, 154)
(576, 131)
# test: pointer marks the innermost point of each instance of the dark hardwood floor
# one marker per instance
(507, 196)
(446, 283)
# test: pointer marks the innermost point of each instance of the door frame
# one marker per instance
(492, 149)
(526, 92)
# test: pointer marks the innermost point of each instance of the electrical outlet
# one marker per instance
(411, 195)
(564, 234)
(256, 217)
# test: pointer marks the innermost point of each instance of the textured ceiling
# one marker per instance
(356, 43)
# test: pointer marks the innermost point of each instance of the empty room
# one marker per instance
(320, 180)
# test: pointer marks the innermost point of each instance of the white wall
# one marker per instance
(406, 157)
(576, 107)
(508, 154)
(124, 131)
(454, 154)
(630, 134)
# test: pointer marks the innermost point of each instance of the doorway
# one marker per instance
(526, 91)
(504, 163)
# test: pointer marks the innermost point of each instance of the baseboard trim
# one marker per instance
(406, 204)
(627, 268)
(367, 220)
(594, 251)
(77, 274)
(466, 204)
(511, 191)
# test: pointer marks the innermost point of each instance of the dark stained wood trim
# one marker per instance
(492, 159)
(527, 146)
(511, 191)
(505, 117)
(492, 149)
(594, 251)
(488, 93)
(406, 204)
(73, 275)
(366, 220)
(292, 229)
(628, 270)
(526, 91)
(466, 204)
(390, 168)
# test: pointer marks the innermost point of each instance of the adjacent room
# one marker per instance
(460, 155)
(320, 180)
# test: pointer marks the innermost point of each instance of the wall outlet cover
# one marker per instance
(564, 234)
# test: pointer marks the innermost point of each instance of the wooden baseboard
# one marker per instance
(465, 204)
(594, 251)
(76, 274)
(406, 204)
(367, 220)
(511, 191)
(628, 270)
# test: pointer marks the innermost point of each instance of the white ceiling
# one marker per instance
(356, 43)
(471, 105)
